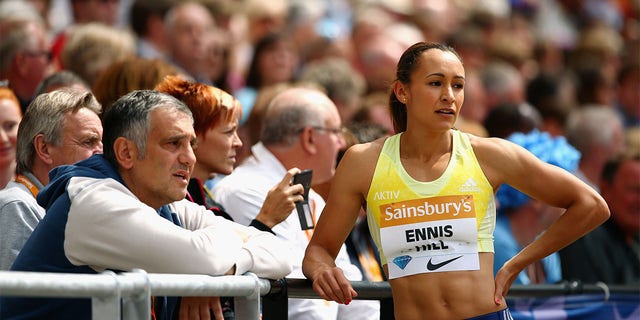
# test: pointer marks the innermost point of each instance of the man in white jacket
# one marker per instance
(302, 129)
(126, 209)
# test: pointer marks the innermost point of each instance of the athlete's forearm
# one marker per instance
(579, 219)
(316, 258)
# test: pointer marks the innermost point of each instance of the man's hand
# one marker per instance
(199, 308)
(281, 200)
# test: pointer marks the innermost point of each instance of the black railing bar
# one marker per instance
(301, 288)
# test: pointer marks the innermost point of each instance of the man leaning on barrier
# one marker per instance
(126, 209)
(59, 127)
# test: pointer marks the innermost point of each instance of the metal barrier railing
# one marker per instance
(129, 293)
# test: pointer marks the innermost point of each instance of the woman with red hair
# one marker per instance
(10, 116)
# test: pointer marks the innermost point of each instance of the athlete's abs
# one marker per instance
(446, 295)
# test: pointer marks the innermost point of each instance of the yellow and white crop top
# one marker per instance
(433, 226)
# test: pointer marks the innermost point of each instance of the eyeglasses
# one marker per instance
(339, 130)
(35, 53)
(336, 131)
(107, 1)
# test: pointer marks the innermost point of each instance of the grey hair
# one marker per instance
(62, 78)
(15, 36)
(289, 113)
(16, 16)
(92, 47)
(340, 81)
(592, 125)
(46, 115)
(11, 10)
(130, 117)
(499, 77)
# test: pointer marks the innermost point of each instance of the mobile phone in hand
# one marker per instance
(303, 208)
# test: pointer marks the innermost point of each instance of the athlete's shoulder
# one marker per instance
(494, 155)
(484, 142)
(490, 147)
(358, 164)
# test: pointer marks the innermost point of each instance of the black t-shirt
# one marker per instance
(602, 255)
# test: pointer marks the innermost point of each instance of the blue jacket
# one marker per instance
(44, 251)
(506, 247)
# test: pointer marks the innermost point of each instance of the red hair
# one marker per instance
(6, 93)
(207, 103)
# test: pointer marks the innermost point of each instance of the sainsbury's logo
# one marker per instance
(427, 209)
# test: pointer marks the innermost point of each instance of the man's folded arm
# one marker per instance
(109, 228)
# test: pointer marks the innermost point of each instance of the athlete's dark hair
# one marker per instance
(408, 63)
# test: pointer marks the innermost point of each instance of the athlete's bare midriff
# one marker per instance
(446, 295)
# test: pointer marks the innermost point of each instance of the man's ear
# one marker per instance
(42, 149)
(308, 141)
(125, 151)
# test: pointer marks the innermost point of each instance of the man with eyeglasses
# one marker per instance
(24, 57)
(302, 128)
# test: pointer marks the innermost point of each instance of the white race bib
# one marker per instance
(429, 235)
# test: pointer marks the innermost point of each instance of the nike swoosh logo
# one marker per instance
(433, 267)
